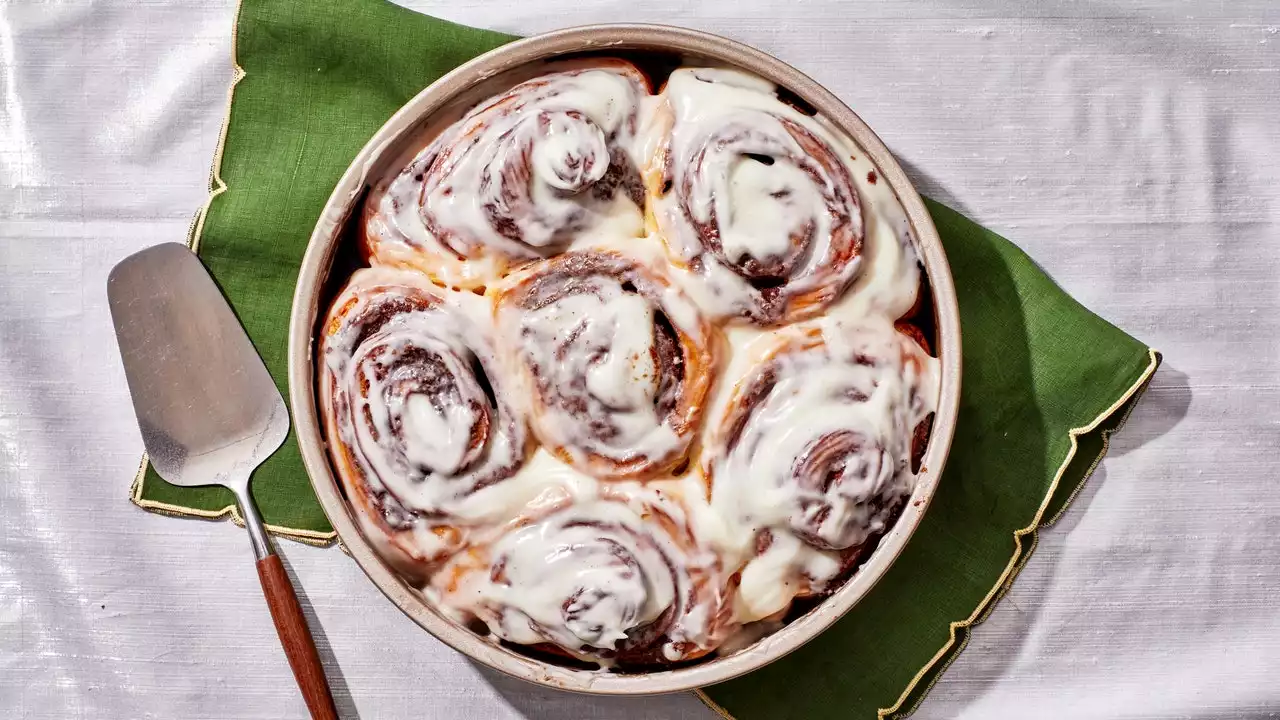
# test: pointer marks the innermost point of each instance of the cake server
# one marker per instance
(209, 413)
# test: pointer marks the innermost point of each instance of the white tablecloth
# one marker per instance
(1132, 148)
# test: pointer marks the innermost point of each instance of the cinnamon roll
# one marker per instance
(616, 361)
(619, 580)
(812, 458)
(518, 178)
(752, 196)
(416, 415)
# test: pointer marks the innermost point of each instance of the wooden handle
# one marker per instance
(296, 638)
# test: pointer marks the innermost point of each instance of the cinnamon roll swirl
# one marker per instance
(617, 580)
(416, 415)
(812, 459)
(517, 179)
(616, 361)
(754, 197)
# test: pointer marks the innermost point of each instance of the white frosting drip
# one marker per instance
(762, 208)
(624, 379)
(436, 436)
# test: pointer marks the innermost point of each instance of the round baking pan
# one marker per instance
(329, 260)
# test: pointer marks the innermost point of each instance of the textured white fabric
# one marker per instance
(1132, 148)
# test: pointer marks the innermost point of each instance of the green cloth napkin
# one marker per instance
(1045, 381)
